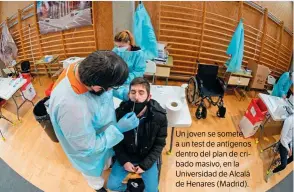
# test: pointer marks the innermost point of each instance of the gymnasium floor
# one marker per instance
(30, 152)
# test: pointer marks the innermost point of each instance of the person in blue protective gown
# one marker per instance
(283, 85)
(82, 113)
(133, 55)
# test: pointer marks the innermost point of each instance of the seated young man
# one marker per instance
(285, 147)
(140, 149)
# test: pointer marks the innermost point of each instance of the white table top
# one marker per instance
(9, 86)
(163, 93)
(272, 102)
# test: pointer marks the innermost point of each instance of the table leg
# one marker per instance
(26, 98)
(3, 138)
(3, 117)
(50, 72)
(262, 128)
(244, 96)
(166, 81)
(18, 107)
(171, 141)
(237, 94)
(46, 70)
(262, 150)
(37, 73)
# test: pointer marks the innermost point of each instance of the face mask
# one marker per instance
(138, 106)
(122, 49)
(98, 93)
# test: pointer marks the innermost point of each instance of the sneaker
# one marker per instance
(102, 190)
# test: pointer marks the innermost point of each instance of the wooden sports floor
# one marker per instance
(30, 152)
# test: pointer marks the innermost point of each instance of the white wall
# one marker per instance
(123, 12)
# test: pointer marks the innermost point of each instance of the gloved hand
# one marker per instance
(128, 122)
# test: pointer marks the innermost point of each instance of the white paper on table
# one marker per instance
(273, 103)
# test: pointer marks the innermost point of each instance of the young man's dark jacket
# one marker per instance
(151, 135)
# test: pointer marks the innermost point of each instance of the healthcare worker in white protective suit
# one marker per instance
(82, 112)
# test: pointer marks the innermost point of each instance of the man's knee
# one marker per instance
(112, 185)
(151, 180)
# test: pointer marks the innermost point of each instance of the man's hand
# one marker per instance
(129, 167)
(290, 153)
(139, 170)
(284, 96)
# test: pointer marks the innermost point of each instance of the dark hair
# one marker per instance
(103, 68)
(141, 81)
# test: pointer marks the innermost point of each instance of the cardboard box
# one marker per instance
(259, 74)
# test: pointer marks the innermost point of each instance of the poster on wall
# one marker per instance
(61, 15)
(8, 48)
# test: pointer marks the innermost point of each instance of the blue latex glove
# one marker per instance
(128, 122)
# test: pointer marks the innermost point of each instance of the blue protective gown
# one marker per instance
(78, 121)
(283, 85)
(135, 61)
(144, 32)
(236, 49)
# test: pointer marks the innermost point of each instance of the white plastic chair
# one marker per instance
(150, 69)
(271, 81)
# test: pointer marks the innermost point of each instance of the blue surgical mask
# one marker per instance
(122, 49)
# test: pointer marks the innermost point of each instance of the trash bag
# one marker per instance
(43, 118)
(144, 33)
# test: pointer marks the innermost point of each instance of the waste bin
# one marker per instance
(256, 111)
(253, 118)
(43, 118)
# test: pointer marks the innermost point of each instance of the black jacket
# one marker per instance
(151, 135)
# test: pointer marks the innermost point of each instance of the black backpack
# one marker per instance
(135, 185)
